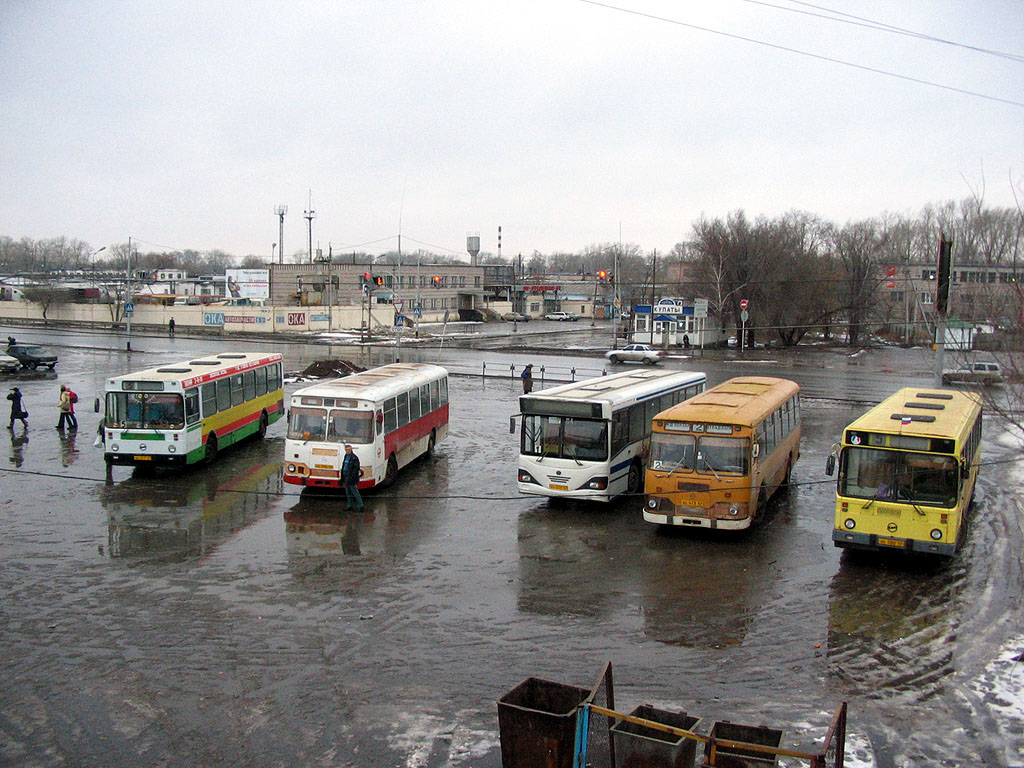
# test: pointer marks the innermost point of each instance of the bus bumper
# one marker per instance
(325, 482)
(661, 518)
(851, 540)
(533, 489)
(145, 460)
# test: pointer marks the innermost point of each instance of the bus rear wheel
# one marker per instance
(392, 471)
(211, 448)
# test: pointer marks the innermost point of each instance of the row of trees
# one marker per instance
(798, 271)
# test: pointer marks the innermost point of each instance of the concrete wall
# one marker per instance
(208, 317)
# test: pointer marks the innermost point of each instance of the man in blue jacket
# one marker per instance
(350, 475)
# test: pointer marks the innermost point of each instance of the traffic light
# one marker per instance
(367, 278)
(602, 275)
(436, 281)
(378, 280)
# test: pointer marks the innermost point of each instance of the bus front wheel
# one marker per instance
(762, 504)
(392, 471)
(633, 480)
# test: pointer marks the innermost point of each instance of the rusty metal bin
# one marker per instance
(750, 734)
(537, 724)
(638, 746)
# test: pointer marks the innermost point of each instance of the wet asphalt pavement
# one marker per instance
(219, 617)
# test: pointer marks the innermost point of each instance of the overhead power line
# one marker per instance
(860, 21)
(808, 54)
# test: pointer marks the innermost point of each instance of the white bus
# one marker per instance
(589, 440)
(184, 413)
(389, 415)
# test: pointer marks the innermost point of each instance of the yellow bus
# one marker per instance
(184, 413)
(907, 470)
(717, 458)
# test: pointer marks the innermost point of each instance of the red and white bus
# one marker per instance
(389, 415)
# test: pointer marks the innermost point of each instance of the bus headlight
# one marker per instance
(142, 446)
(652, 503)
(936, 534)
(734, 510)
(526, 477)
(598, 484)
(849, 523)
(171, 449)
(291, 468)
(115, 447)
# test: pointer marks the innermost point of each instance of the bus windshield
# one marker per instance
(723, 454)
(912, 478)
(349, 426)
(307, 423)
(565, 438)
(145, 410)
(707, 455)
(671, 453)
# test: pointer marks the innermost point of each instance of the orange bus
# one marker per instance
(717, 458)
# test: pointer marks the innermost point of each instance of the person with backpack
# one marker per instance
(64, 406)
(74, 399)
(527, 377)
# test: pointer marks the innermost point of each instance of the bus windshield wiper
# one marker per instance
(572, 454)
(708, 465)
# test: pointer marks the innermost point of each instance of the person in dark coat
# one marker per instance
(350, 476)
(17, 412)
(527, 377)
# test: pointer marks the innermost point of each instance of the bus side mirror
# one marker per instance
(511, 425)
(755, 451)
(965, 470)
(830, 464)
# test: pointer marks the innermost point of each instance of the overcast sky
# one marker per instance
(183, 124)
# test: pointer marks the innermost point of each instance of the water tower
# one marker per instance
(473, 246)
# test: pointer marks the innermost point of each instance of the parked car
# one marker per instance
(517, 317)
(8, 364)
(635, 353)
(562, 316)
(32, 355)
(974, 373)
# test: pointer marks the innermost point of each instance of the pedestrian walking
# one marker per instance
(64, 406)
(170, 327)
(527, 377)
(17, 411)
(350, 476)
(73, 398)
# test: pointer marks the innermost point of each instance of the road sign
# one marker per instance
(129, 308)
(399, 306)
(744, 303)
(417, 312)
(700, 307)
(399, 321)
(744, 315)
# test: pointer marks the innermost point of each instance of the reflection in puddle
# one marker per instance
(179, 515)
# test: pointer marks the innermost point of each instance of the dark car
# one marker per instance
(32, 355)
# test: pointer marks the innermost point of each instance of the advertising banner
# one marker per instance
(247, 283)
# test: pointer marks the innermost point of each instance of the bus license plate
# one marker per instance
(891, 542)
(142, 458)
(559, 487)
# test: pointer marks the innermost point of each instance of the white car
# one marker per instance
(563, 316)
(8, 364)
(635, 353)
(974, 373)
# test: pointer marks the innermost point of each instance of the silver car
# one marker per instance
(635, 353)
